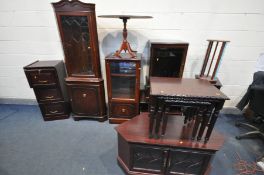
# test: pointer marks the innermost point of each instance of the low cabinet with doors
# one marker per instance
(174, 154)
(169, 161)
(123, 79)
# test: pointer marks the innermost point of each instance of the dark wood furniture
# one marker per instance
(77, 26)
(173, 154)
(217, 83)
(195, 93)
(125, 46)
(209, 70)
(123, 79)
(47, 80)
(87, 98)
(167, 58)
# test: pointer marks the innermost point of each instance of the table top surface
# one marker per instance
(125, 16)
(177, 134)
(163, 86)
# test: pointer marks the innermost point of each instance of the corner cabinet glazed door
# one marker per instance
(77, 44)
(78, 31)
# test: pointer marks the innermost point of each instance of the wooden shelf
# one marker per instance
(122, 75)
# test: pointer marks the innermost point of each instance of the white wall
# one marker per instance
(28, 31)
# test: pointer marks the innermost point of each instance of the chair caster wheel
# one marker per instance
(238, 137)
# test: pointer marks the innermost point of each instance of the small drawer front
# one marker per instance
(120, 110)
(40, 77)
(53, 109)
(46, 95)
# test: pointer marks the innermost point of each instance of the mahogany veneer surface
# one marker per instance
(184, 86)
(177, 134)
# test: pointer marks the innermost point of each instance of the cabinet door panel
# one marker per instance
(84, 100)
(77, 45)
(187, 162)
(149, 159)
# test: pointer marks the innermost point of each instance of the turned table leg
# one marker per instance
(198, 121)
(152, 114)
(158, 120)
(207, 115)
(218, 107)
(165, 120)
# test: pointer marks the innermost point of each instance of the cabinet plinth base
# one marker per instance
(117, 120)
(175, 153)
(81, 117)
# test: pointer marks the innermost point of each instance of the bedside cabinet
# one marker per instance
(47, 80)
(123, 79)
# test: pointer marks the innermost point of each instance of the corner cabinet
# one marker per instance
(78, 31)
(87, 98)
(77, 26)
(123, 80)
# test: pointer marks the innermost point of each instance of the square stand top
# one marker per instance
(187, 87)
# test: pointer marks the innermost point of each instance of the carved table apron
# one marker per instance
(208, 103)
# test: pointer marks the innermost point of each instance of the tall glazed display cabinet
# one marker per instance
(123, 79)
(77, 26)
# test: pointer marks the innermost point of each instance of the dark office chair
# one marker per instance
(256, 104)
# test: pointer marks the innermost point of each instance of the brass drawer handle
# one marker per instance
(89, 47)
(123, 110)
(44, 81)
(54, 112)
(49, 97)
(84, 95)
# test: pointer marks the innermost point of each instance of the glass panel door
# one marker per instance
(167, 62)
(76, 42)
(123, 79)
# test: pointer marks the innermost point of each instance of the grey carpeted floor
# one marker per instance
(30, 146)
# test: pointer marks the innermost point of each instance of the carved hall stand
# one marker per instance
(195, 93)
(125, 46)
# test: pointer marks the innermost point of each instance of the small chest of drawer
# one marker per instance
(123, 110)
(39, 77)
(48, 94)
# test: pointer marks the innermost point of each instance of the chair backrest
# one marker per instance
(256, 102)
